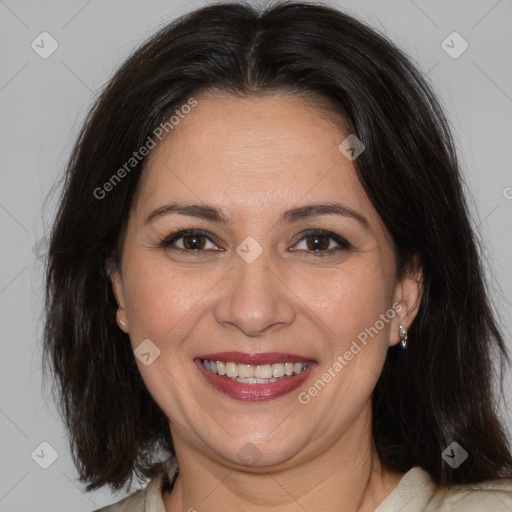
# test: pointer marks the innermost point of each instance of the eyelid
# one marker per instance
(169, 240)
(343, 244)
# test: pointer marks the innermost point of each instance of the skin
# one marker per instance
(253, 159)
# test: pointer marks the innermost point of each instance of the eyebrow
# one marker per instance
(211, 213)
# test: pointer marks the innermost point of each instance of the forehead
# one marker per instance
(254, 152)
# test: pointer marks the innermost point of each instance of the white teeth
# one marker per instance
(263, 371)
(231, 370)
(245, 371)
(221, 368)
(254, 374)
(278, 370)
(254, 381)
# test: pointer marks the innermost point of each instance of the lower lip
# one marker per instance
(254, 392)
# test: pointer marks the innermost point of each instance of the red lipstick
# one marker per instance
(255, 392)
(255, 359)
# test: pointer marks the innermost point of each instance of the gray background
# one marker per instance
(44, 101)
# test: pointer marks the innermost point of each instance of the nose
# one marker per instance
(254, 298)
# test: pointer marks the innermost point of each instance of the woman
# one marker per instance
(263, 291)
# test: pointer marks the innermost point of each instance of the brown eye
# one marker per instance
(319, 243)
(188, 240)
(194, 242)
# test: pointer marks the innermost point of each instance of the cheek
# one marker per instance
(350, 300)
(350, 306)
(163, 305)
(163, 301)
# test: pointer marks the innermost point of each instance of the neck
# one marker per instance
(347, 476)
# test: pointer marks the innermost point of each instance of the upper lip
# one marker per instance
(255, 359)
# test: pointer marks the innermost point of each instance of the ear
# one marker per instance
(118, 289)
(407, 297)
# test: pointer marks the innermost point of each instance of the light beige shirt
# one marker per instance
(414, 493)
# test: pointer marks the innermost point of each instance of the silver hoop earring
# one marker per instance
(402, 331)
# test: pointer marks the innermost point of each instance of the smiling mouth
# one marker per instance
(255, 374)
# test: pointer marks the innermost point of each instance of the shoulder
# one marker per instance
(148, 499)
(416, 492)
(131, 503)
(491, 495)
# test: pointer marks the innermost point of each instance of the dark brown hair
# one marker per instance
(439, 390)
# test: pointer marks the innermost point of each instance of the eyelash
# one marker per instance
(343, 245)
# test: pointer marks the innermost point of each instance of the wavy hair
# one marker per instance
(439, 390)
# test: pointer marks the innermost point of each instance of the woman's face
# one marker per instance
(259, 285)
